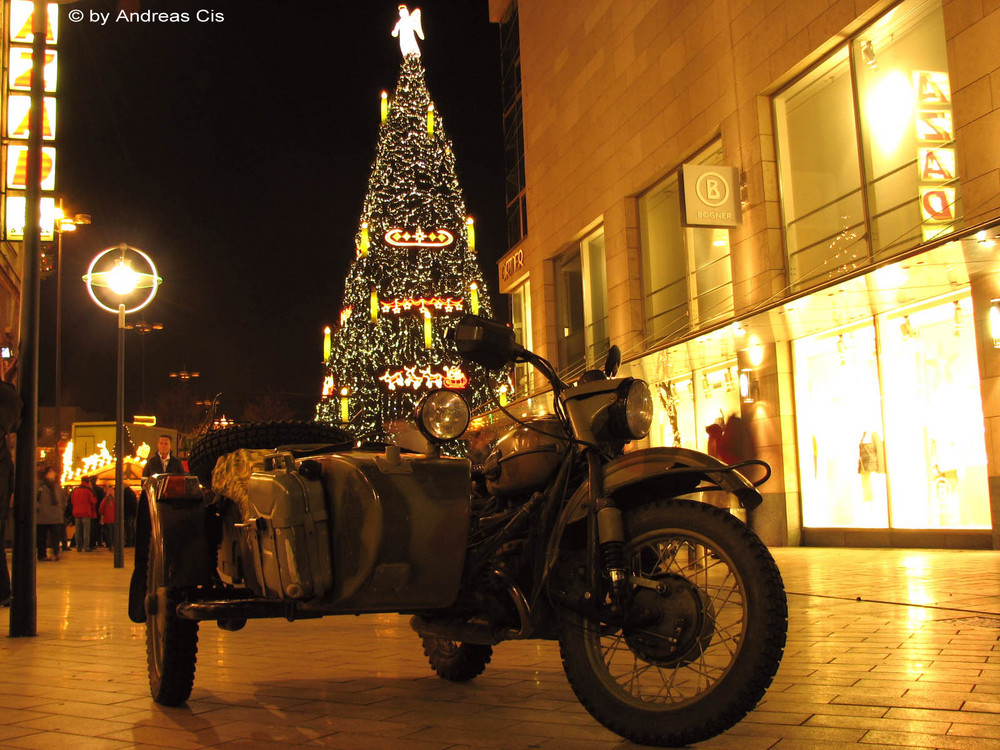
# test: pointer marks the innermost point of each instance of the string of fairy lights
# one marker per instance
(415, 273)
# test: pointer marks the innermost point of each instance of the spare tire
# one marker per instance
(206, 451)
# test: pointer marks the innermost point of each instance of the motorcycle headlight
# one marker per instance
(442, 415)
(633, 410)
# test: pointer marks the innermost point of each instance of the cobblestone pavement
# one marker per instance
(886, 649)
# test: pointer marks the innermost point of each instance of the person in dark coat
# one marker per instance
(49, 506)
(163, 462)
(10, 419)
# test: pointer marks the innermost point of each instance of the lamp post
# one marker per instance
(122, 281)
(63, 223)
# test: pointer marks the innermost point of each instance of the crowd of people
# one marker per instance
(84, 521)
(82, 518)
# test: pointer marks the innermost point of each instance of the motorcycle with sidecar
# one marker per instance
(669, 611)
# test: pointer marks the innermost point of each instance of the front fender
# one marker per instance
(665, 472)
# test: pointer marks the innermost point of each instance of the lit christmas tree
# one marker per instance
(415, 272)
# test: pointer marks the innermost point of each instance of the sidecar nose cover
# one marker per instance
(399, 528)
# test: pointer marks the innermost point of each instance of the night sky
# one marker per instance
(236, 153)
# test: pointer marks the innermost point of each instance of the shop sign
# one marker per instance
(18, 108)
(17, 167)
(935, 153)
(710, 196)
(15, 211)
(19, 71)
(511, 266)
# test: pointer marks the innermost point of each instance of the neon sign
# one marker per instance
(436, 238)
(445, 304)
(425, 377)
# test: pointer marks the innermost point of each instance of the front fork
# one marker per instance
(608, 535)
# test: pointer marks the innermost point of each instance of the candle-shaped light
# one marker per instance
(385, 106)
(428, 330)
(503, 395)
(430, 119)
(363, 242)
(344, 405)
(327, 343)
(374, 304)
(470, 230)
(474, 298)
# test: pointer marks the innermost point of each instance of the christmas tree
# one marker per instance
(415, 272)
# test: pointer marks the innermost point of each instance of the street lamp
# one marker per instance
(121, 280)
(63, 223)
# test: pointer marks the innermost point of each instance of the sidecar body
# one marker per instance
(303, 534)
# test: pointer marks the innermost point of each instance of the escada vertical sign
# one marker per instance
(16, 108)
(935, 153)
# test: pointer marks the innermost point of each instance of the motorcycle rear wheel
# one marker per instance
(171, 642)
(701, 652)
(458, 662)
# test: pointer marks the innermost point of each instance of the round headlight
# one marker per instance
(442, 415)
(639, 409)
(633, 412)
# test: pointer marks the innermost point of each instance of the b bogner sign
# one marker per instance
(710, 195)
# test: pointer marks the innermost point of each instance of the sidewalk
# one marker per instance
(886, 649)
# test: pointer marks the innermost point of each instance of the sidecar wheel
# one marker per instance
(171, 642)
(702, 647)
(206, 451)
(458, 662)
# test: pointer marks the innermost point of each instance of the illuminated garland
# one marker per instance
(446, 304)
(382, 361)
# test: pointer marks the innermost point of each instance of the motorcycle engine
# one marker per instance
(525, 458)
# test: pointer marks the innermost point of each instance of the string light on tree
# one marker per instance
(415, 268)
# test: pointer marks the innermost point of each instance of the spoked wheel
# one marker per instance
(703, 636)
(458, 662)
(171, 642)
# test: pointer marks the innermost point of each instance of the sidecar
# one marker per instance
(289, 523)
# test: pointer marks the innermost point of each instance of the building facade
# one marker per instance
(788, 211)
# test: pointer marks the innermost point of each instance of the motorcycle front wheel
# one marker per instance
(703, 636)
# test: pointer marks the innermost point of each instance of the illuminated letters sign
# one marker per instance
(19, 72)
(18, 107)
(935, 153)
(710, 196)
(17, 167)
(21, 12)
(15, 209)
(510, 268)
(418, 238)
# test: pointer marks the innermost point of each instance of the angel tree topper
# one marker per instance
(408, 29)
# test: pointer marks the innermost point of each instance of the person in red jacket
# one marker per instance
(106, 511)
(84, 503)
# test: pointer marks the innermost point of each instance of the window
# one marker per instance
(866, 148)
(582, 300)
(686, 273)
(520, 316)
(513, 128)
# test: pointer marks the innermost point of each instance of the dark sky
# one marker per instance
(236, 153)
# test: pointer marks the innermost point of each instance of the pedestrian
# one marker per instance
(10, 419)
(131, 503)
(100, 490)
(106, 512)
(49, 505)
(84, 511)
(162, 462)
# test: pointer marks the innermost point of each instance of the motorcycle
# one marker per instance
(669, 611)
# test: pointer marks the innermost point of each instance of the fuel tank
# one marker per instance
(525, 458)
